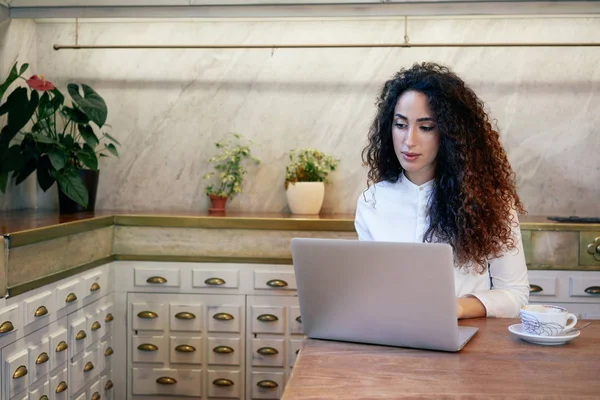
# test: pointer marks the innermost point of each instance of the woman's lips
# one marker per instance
(410, 156)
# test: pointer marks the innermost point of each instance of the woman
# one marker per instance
(438, 173)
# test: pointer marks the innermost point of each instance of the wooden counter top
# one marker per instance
(494, 364)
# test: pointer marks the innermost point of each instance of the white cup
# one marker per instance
(546, 319)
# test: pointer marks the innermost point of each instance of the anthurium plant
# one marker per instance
(46, 135)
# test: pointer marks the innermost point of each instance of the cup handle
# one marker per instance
(572, 324)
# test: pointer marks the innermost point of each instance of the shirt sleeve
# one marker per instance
(509, 281)
(360, 222)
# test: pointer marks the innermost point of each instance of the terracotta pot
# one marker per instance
(218, 205)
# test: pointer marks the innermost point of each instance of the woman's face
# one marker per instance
(415, 136)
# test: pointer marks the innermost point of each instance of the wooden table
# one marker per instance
(493, 365)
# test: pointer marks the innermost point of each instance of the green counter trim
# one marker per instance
(167, 258)
(543, 267)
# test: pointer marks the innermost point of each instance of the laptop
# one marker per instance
(386, 293)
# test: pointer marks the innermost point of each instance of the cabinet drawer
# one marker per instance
(38, 392)
(94, 391)
(106, 354)
(542, 286)
(268, 319)
(149, 316)
(37, 308)
(107, 386)
(94, 285)
(295, 320)
(39, 361)
(58, 348)
(10, 323)
(94, 328)
(149, 349)
(224, 384)
(223, 318)
(82, 396)
(293, 350)
(77, 335)
(157, 277)
(206, 278)
(68, 295)
(267, 352)
(185, 318)
(185, 350)
(274, 280)
(267, 385)
(167, 382)
(224, 351)
(107, 315)
(83, 371)
(16, 373)
(24, 396)
(58, 386)
(589, 248)
(584, 287)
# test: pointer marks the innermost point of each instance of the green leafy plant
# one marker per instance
(229, 166)
(60, 138)
(309, 165)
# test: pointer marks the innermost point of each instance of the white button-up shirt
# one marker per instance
(397, 212)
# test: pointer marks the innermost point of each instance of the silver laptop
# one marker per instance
(396, 294)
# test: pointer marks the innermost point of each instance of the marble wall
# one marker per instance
(167, 107)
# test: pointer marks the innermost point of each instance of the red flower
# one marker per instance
(39, 83)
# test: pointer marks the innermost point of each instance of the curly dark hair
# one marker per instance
(474, 185)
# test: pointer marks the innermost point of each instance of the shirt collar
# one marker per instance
(405, 182)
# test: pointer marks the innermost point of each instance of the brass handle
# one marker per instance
(41, 311)
(6, 327)
(214, 281)
(299, 319)
(223, 316)
(223, 382)
(147, 347)
(147, 314)
(109, 317)
(185, 348)
(88, 367)
(267, 351)
(71, 297)
(591, 248)
(267, 318)
(62, 386)
(96, 325)
(535, 289)
(42, 358)
(277, 283)
(223, 350)
(165, 380)
(297, 351)
(96, 396)
(20, 372)
(185, 315)
(44, 397)
(109, 385)
(95, 287)
(80, 335)
(156, 280)
(592, 290)
(108, 352)
(267, 384)
(62, 346)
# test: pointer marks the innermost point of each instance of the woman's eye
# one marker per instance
(400, 125)
(427, 128)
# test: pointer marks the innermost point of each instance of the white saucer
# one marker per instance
(519, 331)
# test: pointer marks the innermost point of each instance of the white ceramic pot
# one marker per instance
(305, 197)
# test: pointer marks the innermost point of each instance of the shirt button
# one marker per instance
(420, 188)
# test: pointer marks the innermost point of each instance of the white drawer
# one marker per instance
(149, 349)
(16, 371)
(207, 278)
(267, 385)
(23, 396)
(40, 391)
(167, 382)
(95, 393)
(107, 387)
(39, 361)
(224, 384)
(58, 348)
(94, 328)
(295, 320)
(186, 318)
(106, 314)
(185, 350)
(106, 354)
(37, 308)
(223, 318)
(77, 336)
(149, 316)
(82, 396)
(268, 319)
(267, 352)
(58, 386)
(94, 285)
(157, 277)
(224, 351)
(10, 323)
(584, 287)
(68, 295)
(83, 371)
(294, 349)
(543, 286)
(274, 280)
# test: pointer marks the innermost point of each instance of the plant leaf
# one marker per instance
(3, 181)
(26, 170)
(88, 158)
(58, 159)
(87, 133)
(76, 115)
(92, 104)
(41, 138)
(44, 178)
(11, 159)
(111, 147)
(72, 186)
(12, 76)
(112, 139)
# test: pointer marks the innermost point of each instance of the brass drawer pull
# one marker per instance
(80, 335)
(535, 289)
(20, 372)
(108, 352)
(277, 283)
(185, 348)
(62, 386)
(592, 290)
(109, 385)
(222, 316)
(147, 347)
(96, 396)
(6, 327)
(223, 382)
(95, 287)
(44, 397)
(267, 384)
(267, 351)
(42, 358)
(156, 280)
(223, 350)
(71, 297)
(147, 315)
(299, 319)
(41, 311)
(165, 380)
(62, 346)
(267, 318)
(109, 317)
(185, 315)
(96, 325)
(297, 351)
(88, 367)
(215, 281)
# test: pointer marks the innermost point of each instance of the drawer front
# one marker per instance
(94, 285)
(16, 373)
(584, 287)
(267, 385)
(542, 286)
(68, 295)
(267, 352)
(94, 328)
(149, 349)
(106, 354)
(149, 316)
(107, 386)
(83, 371)
(206, 278)
(185, 350)
(107, 315)
(268, 319)
(157, 277)
(58, 348)
(589, 248)
(38, 308)
(185, 318)
(10, 323)
(224, 384)
(59, 389)
(167, 382)
(39, 361)
(82, 396)
(294, 349)
(223, 318)
(77, 335)
(224, 351)
(43, 390)
(94, 391)
(295, 320)
(274, 280)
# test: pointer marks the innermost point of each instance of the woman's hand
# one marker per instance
(469, 307)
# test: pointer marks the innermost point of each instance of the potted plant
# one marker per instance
(229, 171)
(305, 179)
(61, 142)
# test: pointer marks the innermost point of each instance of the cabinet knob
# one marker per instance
(42, 358)
(95, 287)
(185, 348)
(44, 397)
(62, 386)
(165, 380)
(267, 384)
(223, 350)
(41, 311)
(80, 335)
(96, 396)
(88, 367)
(109, 317)
(277, 283)
(535, 289)
(147, 347)
(62, 346)
(20, 372)
(71, 297)
(267, 318)
(299, 319)
(267, 351)
(297, 351)
(109, 385)
(215, 281)
(6, 327)
(223, 316)
(185, 315)
(95, 326)
(156, 280)
(223, 382)
(147, 315)
(592, 290)
(108, 352)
